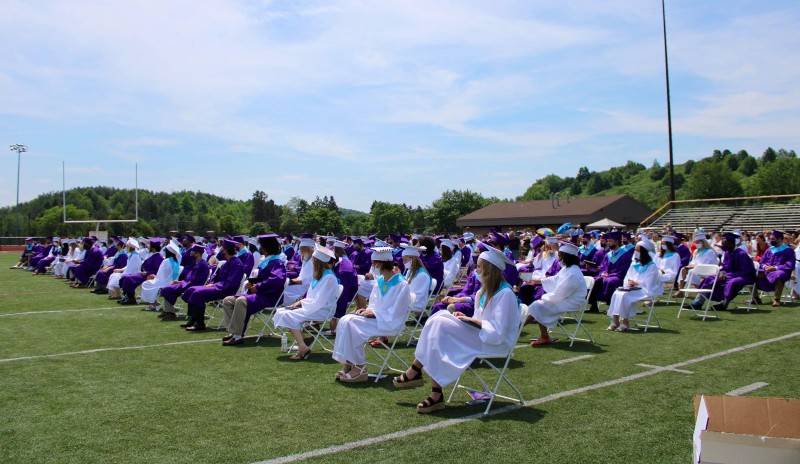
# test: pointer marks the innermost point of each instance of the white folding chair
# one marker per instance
(384, 366)
(649, 308)
(317, 326)
(523, 314)
(418, 316)
(264, 317)
(577, 316)
(701, 271)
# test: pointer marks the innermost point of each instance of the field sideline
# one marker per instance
(89, 381)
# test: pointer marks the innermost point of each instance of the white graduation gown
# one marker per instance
(315, 306)
(623, 304)
(134, 266)
(670, 265)
(541, 264)
(420, 286)
(353, 331)
(565, 291)
(296, 291)
(451, 269)
(163, 278)
(702, 256)
(61, 266)
(796, 287)
(366, 287)
(448, 346)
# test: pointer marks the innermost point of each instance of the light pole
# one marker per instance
(669, 109)
(19, 148)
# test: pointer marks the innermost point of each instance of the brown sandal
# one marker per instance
(430, 405)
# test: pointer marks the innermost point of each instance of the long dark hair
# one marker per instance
(567, 259)
(644, 256)
(670, 247)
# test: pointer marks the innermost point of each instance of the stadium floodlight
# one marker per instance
(20, 149)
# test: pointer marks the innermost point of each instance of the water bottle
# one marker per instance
(284, 343)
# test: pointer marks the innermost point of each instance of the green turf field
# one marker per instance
(201, 402)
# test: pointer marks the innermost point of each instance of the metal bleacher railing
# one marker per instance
(746, 213)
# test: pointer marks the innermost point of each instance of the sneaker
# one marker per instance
(328, 333)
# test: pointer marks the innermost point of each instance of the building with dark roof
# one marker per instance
(552, 213)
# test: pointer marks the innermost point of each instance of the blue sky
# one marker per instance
(387, 100)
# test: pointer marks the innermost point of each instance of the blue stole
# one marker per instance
(314, 282)
(614, 256)
(176, 268)
(266, 261)
(641, 268)
(668, 254)
(241, 253)
(778, 249)
(585, 251)
(384, 287)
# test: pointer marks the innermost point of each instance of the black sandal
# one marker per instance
(432, 405)
(404, 382)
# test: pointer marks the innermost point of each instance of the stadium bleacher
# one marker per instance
(751, 217)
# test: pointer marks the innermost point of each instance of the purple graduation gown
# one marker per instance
(596, 256)
(248, 262)
(435, 267)
(188, 264)
(120, 261)
(348, 278)
(470, 289)
(528, 293)
(362, 261)
(47, 260)
(87, 268)
(685, 253)
(781, 257)
(267, 292)
(604, 287)
(197, 276)
(34, 261)
(293, 266)
(226, 283)
(739, 271)
(128, 283)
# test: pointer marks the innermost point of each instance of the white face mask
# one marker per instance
(376, 270)
(664, 247)
(479, 277)
(699, 245)
(636, 255)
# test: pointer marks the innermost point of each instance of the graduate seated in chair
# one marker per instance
(117, 264)
(641, 281)
(168, 272)
(562, 292)
(385, 315)
(196, 277)
(348, 278)
(300, 278)
(46, 262)
(261, 292)
(130, 282)
(667, 260)
(775, 268)
(736, 272)
(27, 252)
(88, 266)
(449, 343)
(703, 254)
(225, 283)
(317, 304)
(612, 270)
(132, 266)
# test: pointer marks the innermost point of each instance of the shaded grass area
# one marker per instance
(206, 403)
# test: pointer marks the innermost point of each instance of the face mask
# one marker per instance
(636, 255)
(773, 243)
(479, 277)
(699, 245)
(664, 247)
(376, 270)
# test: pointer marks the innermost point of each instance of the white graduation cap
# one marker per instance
(647, 245)
(339, 244)
(132, 242)
(568, 248)
(382, 253)
(307, 242)
(174, 249)
(496, 257)
(551, 240)
(668, 239)
(323, 254)
(447, 242)
(412, 250)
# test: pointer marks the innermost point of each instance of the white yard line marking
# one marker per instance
(747, 389)
(102, 350)
(61, 311)
(576, 358)
(417, 430)
(650, 366)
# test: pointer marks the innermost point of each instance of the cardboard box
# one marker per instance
(731, 429)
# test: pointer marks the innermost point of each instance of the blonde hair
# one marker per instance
(492, 277)
(319, 267)
(416, 265)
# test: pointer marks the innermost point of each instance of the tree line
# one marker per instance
(723, 174)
